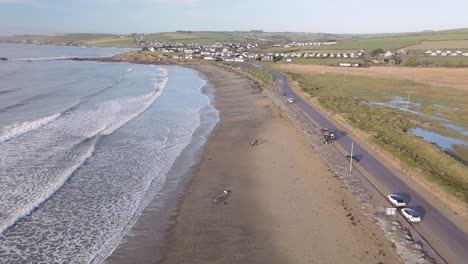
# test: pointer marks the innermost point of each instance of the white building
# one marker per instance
(388, 54)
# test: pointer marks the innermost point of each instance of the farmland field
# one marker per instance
(395, 42)
(368, 99)
(444, 44)
(447, 61)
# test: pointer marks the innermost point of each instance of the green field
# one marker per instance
(350, 95)
(346, 42)
(184, 37)
(448, 61)
(203, 38)
(390, 43)
(444, 44)
(263, 77)
(100, 40)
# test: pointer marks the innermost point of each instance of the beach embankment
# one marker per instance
(285, 206)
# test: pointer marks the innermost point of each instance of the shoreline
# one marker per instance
(271, 216)
(157, 216)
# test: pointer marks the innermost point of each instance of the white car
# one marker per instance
(290, 100)
(396, 200)
(411, 215)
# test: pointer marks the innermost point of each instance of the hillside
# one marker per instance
(347, 41)
(183, 37)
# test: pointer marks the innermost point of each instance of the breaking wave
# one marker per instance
(19, 129)
(26, 209)
(87, 126)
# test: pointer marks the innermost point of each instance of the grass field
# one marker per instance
(101, 40)
(203, 38)
(443, 61)
(391, 43)
(263, 77)
(349, 96)
(111, 42)
(444, 44)
(366, 42)
(185, 37)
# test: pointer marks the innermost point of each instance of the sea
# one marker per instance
(86, 145)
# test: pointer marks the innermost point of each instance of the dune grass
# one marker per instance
(265, 78)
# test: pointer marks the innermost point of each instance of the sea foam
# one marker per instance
(84, 125)
(19, 129)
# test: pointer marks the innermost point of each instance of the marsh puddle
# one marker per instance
(462, 130)
(443, 142)
(401, 104)
(446, 107)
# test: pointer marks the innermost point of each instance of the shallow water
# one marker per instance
(29, 51)
(81, 144)
(443, 142)
(401, 104)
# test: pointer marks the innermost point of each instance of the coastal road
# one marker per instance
(440, 237)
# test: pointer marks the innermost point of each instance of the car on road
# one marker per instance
(396, 200)
(411, 215)
(283, 94)
(290, 100)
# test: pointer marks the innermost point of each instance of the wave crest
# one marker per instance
(19, 129)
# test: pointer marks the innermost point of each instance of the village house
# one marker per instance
(388, 54)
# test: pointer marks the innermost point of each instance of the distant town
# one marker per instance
(240, 52)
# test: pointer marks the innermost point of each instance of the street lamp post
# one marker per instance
(351, 158)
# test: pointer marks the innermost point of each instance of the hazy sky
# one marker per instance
(127, 16)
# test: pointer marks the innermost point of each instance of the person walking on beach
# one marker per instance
(253, 143)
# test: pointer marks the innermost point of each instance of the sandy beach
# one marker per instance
(285, 207)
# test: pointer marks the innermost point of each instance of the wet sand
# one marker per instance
(285, 207)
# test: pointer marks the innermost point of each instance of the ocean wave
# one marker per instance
(83, 125)
(84, 220)
(19, 129)
(46, 193)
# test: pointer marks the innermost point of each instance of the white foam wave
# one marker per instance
(80, 125)
(139, 103)
(20, 129)
(46, 193)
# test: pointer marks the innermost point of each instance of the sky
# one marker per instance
(146, 16)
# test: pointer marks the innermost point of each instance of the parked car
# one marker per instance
(290, 100)
(396, 200)
(411, 215)
(283, 94)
